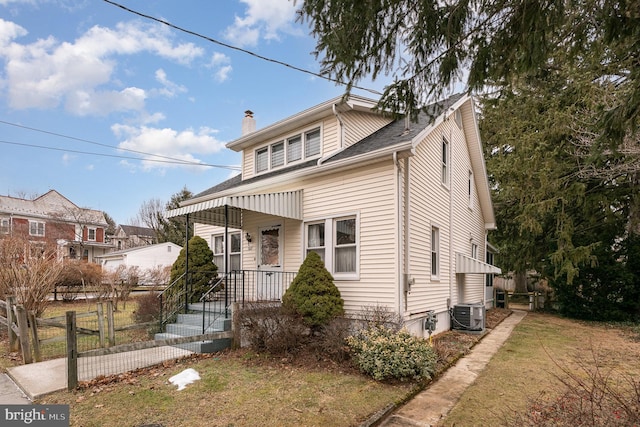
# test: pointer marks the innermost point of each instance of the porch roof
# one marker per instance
(287, 204)
(466, 264)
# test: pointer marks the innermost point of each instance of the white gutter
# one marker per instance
(319, 170)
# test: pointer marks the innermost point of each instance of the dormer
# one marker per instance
(308, 136)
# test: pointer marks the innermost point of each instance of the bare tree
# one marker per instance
(29, 271)
(151, 214)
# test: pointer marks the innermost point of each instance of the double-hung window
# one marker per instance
(315, 239)
(36, 228)
(295, 148)
(336, 241)
(345, 245)
(262, 159)
(234, 251)
(445, 161)
(435, 252)
(91, 234)
(4, 225)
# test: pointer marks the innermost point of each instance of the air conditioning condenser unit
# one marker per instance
(468, 317)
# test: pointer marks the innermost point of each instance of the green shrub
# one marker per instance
(202, 270)
(386, 354)
(313, 295)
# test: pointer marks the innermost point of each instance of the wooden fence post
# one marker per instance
(11, 319)
(236, 326)
(36, 340)
(72, 351)
(23, 333)
(111, 324)
(100, 314)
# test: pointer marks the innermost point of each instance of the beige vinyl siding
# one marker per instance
(429, 206)
(359, 125)
(368, 192)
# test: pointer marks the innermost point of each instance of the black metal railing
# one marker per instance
(242, 286)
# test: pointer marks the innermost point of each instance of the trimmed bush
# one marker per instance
(202, 270)
(313, 295)
(384, 354)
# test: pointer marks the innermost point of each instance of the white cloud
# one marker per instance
(165, 142)
(263, 18)
(221, 66)
(48, 73)
(169, 88)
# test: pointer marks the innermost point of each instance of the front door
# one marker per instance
(270, 263)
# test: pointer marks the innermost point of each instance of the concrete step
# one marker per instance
(216, 306)
(198, 346)
(196, 318)
(191, 330)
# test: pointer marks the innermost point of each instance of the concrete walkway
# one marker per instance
(36, 380)
(432, 405)
(10, 393)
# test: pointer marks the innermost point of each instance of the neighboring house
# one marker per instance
(398, 210)
(132, 236)
(147, 258)
(78, 233)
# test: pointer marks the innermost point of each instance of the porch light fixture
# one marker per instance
(248, 237)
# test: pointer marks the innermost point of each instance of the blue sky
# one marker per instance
(87, 76)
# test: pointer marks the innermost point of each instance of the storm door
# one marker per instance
(270, 263)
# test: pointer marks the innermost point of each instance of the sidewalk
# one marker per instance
(39, 379)
(433, 404)
(10, 393)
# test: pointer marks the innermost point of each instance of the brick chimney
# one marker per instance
(248, 123)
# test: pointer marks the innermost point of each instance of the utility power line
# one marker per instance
(158, 158)
(245, 51)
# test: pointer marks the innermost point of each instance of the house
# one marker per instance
(132, 236)
(399, 210)
(149, 259)
(52, 219)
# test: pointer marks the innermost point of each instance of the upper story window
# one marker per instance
(5, 225)
(91, 234)
(445, 161)
(36, 228)
(295, 148)
(474, 251)
(470, 188)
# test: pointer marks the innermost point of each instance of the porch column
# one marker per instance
(186, 266)
(226, 259)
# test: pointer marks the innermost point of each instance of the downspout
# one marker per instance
(407, 235)
(341, 123)
(400, 216)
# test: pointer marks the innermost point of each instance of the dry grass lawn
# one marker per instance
(529, 365)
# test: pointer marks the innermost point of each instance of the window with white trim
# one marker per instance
(91, 234)
(262, 159)
(445, 161)
(336, 241)
(474, 251)
(235, 245)
(298, 147)
(470, 188)
(5, 225)
(435, 252)
(36, 228)
(315, 239)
